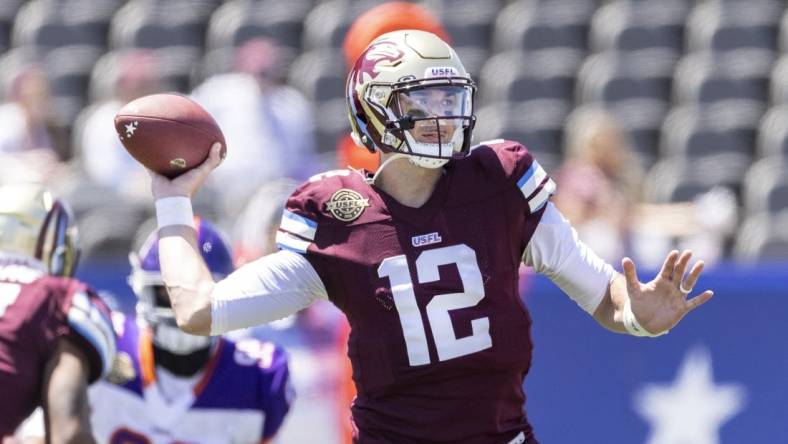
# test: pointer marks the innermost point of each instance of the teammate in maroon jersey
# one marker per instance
(55, 334)
(422, 257)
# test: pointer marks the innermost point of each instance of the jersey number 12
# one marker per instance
(446, 342)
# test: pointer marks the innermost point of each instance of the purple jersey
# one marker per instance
(440, 339)
(36, 310)
(242, 395)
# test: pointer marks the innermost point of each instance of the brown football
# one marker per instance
(167, 133)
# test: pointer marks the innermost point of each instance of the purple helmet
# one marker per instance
(153, 301)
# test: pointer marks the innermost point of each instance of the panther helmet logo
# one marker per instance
(383, 53)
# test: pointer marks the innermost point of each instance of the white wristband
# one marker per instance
(174, 211)
(633, 326)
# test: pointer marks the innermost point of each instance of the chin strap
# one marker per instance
(371, 180)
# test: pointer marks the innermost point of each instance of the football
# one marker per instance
(168, 133)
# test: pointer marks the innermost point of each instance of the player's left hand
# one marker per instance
(660, 304)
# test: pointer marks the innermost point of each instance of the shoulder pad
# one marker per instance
(339, 197)
(89, 317)
(511, 163)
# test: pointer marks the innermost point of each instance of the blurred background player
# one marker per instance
(268, 124)
(31, 145)
(601, 191)
(170, 386)
(103, 159)
(55, 334)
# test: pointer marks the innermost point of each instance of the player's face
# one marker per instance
(434, 102)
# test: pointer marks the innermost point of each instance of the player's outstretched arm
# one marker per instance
(655, 306)
(188, 280)
(66, 411)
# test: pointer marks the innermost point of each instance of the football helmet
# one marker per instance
(35, 224)
(409, 93)
(153, 302)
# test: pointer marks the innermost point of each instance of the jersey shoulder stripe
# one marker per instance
(539, 200)
(531, 179)
(94, 326)
(299, 225)
(536, 186)
(287, 241)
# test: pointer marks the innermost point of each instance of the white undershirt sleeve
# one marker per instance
(270, 288)
(556, 252)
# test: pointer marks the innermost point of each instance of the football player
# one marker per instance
(422, 257)
(169, 386)
(55, 334)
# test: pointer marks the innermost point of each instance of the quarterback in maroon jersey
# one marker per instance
(422, 258)
(55, 334)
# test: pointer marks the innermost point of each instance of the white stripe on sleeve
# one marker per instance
(540, 199)
(556, 252)
(270, 288)
(286, 241)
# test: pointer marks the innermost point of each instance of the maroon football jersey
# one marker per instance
(440, 339)
(36, 310)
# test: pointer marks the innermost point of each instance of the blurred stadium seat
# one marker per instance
(54, 23)
(541, 24)
(709, 143)
(8, 11)
(773, 133)
(632, 26)
(544, 74)
(326, 24)
(763, 237)
(538, 124)
(237, 21)
(720, 25)
(778, 89)
(765, 188)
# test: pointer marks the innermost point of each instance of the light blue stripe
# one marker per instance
(527, 175)
(302, 219)
(282, 246)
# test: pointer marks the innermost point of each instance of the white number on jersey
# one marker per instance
(8, 294)
(327, 174)
(250, 352)
(446, 342)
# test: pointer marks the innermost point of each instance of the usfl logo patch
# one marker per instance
(346, 205)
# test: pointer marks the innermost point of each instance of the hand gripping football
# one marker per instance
(167, 133)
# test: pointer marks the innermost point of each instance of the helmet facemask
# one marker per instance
(429, 120)
(408, 94)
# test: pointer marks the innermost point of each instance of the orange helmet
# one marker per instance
(387, 17)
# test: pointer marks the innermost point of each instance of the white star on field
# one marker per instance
(693, 408)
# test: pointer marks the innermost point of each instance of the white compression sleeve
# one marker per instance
(556, 252)
(270, 288)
